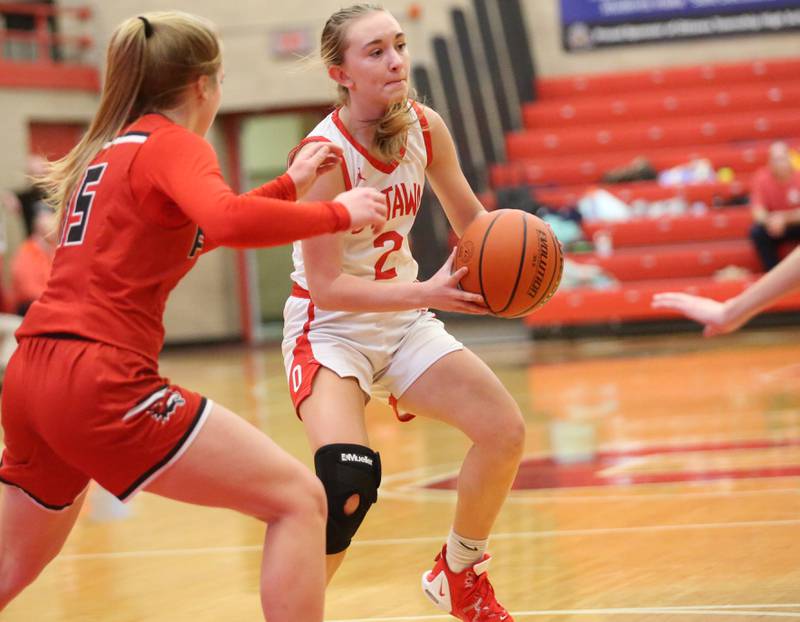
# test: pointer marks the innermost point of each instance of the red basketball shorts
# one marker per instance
(75, 410)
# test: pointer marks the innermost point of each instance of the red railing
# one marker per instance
(35, 54)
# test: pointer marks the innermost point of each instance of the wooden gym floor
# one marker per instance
(660, 483)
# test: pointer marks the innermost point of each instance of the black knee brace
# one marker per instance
(347, 470)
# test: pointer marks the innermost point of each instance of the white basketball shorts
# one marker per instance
(384, 352)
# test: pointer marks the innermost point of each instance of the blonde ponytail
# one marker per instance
(391, 131)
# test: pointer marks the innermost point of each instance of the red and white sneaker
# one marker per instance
(467, 595)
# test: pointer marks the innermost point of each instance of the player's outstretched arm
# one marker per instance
(725, 317)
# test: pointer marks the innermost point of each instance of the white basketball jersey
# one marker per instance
(385, 256)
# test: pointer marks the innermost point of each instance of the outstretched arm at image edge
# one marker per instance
(725, 317)
(783, 279)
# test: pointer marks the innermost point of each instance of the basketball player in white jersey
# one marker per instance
(357, 323)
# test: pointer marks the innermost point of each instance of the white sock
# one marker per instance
(463, 552)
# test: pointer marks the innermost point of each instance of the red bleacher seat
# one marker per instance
(590, 168)
(684, 131)
(631, 301)
(579, 111)
(672, 78)
(726, 224)
(675, 261)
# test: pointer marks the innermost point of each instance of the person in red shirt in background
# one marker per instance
(30, 267)
(775, 203)
(140, 198)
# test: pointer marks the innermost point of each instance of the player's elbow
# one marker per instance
(223, 231)
(322, 297)
(323, 292)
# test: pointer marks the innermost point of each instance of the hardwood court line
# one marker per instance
(420, 477)
(432, 473)
(791, 370)
(700, 610)
(437, 539)
(743, 606)
(410, 492)
(533, 535)
(647, 496)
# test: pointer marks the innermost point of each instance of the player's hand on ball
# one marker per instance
(442, 291)
(515, 261)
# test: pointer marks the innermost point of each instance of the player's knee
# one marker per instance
(308, 498)
(351, 475)
(317, 499)
(515, 433)
(300, 497)
(507, 430)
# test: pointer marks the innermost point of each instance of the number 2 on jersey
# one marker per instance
(80, 207)
(396, 241)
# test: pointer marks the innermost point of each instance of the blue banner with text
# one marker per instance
(589, 24)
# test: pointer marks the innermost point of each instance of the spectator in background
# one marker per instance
(30, 270)
(30, 267)
(775, 203)
(27, 201)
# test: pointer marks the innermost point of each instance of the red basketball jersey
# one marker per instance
(135, 225)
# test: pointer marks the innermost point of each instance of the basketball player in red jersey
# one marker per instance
(140, 197)
(357, 322)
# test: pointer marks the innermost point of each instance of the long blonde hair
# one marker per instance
(391, 130)
(151, 59)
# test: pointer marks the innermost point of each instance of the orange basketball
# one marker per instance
(514, 260)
